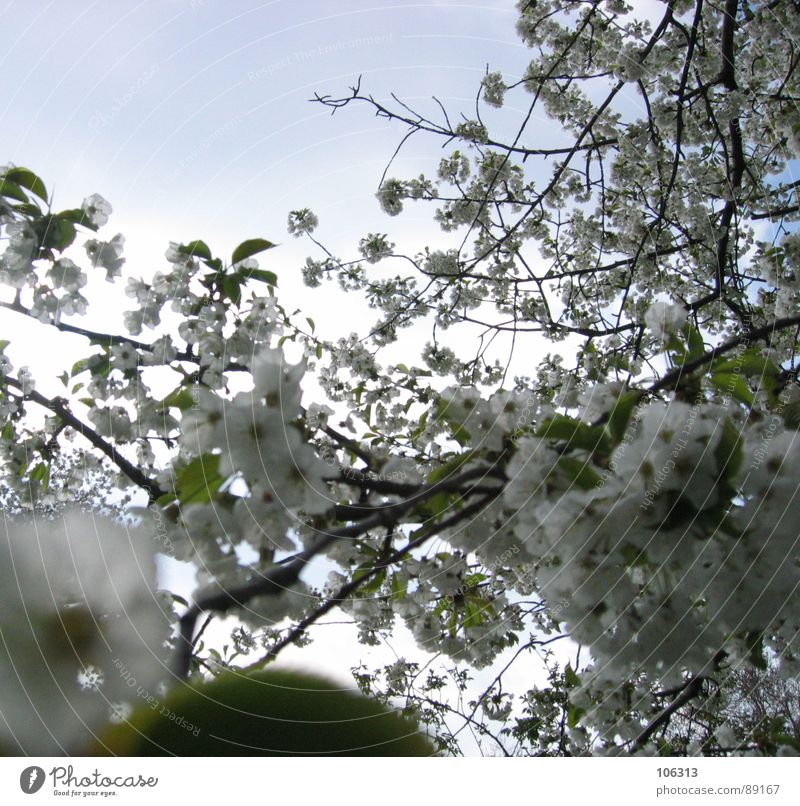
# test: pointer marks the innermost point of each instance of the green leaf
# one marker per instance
(695, 343)
(197, 249)
(575, 434)
(179, 398)
(399, 587)
(263, 713)
(459, 433)
(55, 232)
(475, 615)
(3, 344)
(12, 191)
(752, 363)
(450, 467)
(29, 180)
(78, 216)
(249, 248)
(29, 209)
(791, 415)
(571, 678)
(268, 277)
(423, 421)
(99, 364)
(438, 504)
(634, 556)
(574, 715)
(199, 480)
(579, 472)
(231, 288)
(374, 584)
(38, 472)
(733, 385)
(729, 452)
(620, 416)
(686, 346)
(79, 366)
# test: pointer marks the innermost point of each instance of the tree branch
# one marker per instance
(281, 577)
(346, 590)
(59, 407)
(692, 689)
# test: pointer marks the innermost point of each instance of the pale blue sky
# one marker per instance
(193, 117)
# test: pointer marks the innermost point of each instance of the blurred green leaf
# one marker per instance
(733, 385)
(197, 482)
(197, 249)
(264, 713)
(28, 179)
(575, 434)
(11, 190)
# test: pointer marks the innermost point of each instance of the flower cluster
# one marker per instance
(301, 222)
(257, 439)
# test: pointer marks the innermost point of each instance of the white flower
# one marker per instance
(26, 380)
(317, 415)
(17, 260)
(191, 330)
(312, 272)
(161, 351)
(630, 67)
(455, 168)
(107, 255)
(203, 426)
(97, 209)
(133, 321)
(441, 360)
(301, 222)
(390, 195)
(81, 626)
(375, 247)
(472, 130)
(664, 319)
(277, 384)
(112, 421)
(442, 263)
(528, 470)
(124, 356)
(67, 275)
(494, 89)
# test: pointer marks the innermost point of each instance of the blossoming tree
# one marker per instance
(630, 491)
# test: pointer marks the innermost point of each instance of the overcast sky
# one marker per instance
(193, 118)
(194, 115)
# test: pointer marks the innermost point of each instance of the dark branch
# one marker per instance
(59, 407)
